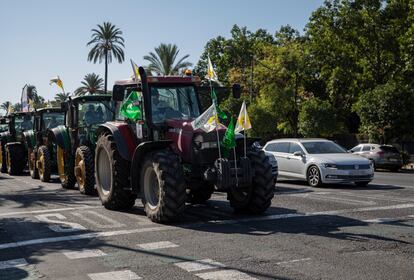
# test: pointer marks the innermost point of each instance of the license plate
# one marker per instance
(357, 172)
(393, 159)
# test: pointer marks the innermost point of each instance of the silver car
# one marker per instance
(319, 161)
(382, 156)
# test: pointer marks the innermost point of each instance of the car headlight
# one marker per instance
(330, 165)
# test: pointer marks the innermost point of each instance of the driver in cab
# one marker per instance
(158, 108)
(90, 115)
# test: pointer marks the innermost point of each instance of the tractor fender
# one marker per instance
(60, 136)
(29, 138)
(124, 137)
(139, 154)
(14, 144)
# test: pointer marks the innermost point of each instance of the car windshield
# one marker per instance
(323, 147)
(52, 120)
(94, 113)
(178, 102)
(23, 123)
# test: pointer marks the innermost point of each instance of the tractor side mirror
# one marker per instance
(118, 94)
(236, 91)
(64, 106)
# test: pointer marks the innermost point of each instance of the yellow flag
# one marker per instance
(10, 109)
(211, 74)
(135, 69)
(57, 81)
(243, 121)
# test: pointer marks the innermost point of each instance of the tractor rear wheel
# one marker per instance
(31, 162)
(66, 175)
(3, 160)
(15, 159)
(201, 194)
(43, 164)
(258, 197)
(84, 170)
(112, 176)
(163, 186)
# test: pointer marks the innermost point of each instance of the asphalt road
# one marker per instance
(335, 232)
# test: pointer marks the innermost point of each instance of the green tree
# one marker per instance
(107, 42)
(317, 118)
(163, 61)
(62, 97)
(91, 84)
(5, 106)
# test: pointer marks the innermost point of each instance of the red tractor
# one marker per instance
(167, 163)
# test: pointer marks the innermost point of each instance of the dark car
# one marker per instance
(382, 156)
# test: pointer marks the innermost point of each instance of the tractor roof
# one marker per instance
(49, 109)
(153, 80)
(92, 97)
(20, 113)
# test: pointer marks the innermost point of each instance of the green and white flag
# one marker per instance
(229, 139)
(207, 121)
(220, 113)
(131, 108)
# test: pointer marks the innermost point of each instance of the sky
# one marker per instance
(45, 38)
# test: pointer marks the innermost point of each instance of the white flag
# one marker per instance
(243, 121)
(211, 74)
(207, 121)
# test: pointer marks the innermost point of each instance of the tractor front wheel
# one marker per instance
(112, 176)
(258, 197)
(66, 175)
(31, 162)
(163, 186)
(43, 164)
(15, 159)
(84, 170)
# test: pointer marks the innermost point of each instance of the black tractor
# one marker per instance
(13, 152)
(165, 161)
(42, 152)
(76, 140)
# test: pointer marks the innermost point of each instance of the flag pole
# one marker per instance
(235, 166)
(244, 132)
(215, 109)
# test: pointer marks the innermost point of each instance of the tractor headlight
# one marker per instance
(330, 166)
(208, 145)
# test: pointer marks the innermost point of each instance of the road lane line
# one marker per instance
(228, 274)
(82, 254)
(79, 237)
(293, 261)
(157, 245)
(47, 210)
(13, 263)
(199, 265)
(114, 275)
(111, 222)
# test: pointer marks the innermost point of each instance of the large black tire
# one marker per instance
(31, 163)
(201, 194)
(112, 176)
(43, 164)
(258, 197)
(313, 176)
(3, 159)
(163, 186)
(15, 159)
(85, 170)
(66, 174)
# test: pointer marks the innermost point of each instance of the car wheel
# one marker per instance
(314, 176)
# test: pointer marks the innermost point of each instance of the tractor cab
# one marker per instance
(19, 122)
(4, 126)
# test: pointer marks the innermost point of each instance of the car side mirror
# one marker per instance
(64, 106)
(298, 154)
(236, 91)
(118, 94)
(350, 151)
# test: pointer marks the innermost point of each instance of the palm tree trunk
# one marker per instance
(106, 71)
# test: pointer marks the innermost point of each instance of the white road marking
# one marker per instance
(60, 226)
(47, 210)
(199, 265)
(79, 237)
(13, 263)
(259, 232)
(381, 220)
(324, 196)
(293, 261)
(115, 275)
(111, 223)
(82, 254)
(230, 274)
(157, 245)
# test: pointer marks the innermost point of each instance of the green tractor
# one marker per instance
(13, 151)
(76, 140)
(41, 156)
(3, 124)
(165, 161)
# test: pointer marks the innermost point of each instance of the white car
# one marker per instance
(319, 161)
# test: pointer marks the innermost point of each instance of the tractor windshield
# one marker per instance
(23, 123)
(95, 113)
(52, 119)
(174, 102)
(3, 127)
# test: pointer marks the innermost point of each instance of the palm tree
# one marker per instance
(162, 61)
(107, 42)
(62, 97)
(5, 106)
(91, 84)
